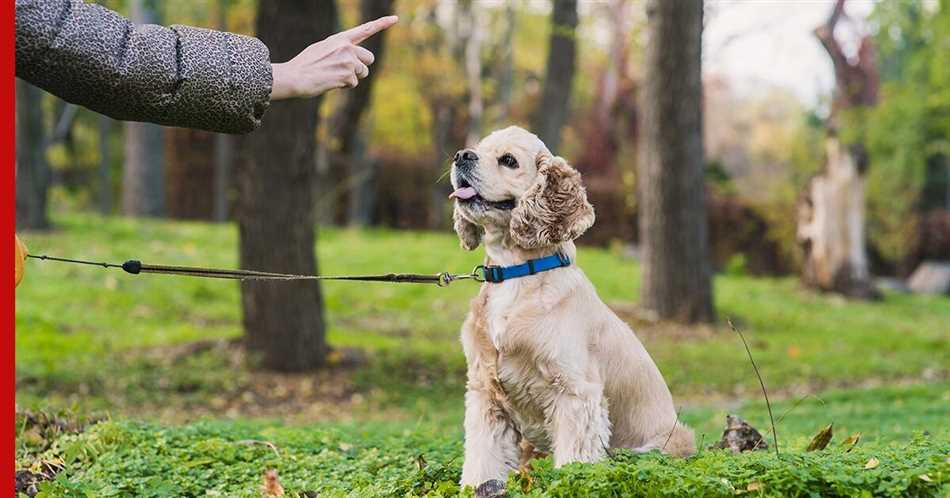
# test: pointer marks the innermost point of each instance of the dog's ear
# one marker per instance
(554, 209)
(469, 233)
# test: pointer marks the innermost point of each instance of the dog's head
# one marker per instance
(511, 181)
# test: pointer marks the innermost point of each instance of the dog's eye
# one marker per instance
(508, 161)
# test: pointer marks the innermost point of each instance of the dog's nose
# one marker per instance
(465, 155)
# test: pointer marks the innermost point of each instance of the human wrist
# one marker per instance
(284, 86)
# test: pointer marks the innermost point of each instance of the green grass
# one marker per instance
(94, 341)
(75, 323)
(210, 458)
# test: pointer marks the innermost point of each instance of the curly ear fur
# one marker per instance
(554, 209)
(469, 234)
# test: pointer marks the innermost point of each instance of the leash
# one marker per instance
(481, 273)
(136, 267)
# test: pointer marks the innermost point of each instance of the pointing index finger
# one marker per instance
(364, 31)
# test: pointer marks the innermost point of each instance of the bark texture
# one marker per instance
(32, 170)
(559, 78)
(143, 177)
(673, 229)
(831, 227)
(189, 173)
(104, 174)
(283, 321)
(831, 215)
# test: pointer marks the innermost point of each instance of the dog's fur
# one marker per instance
(550, 367)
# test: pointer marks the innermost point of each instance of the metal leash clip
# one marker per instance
(446, 278)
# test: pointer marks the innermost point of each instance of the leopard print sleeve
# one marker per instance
(175, 76)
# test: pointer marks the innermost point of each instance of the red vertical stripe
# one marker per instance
(7, 193)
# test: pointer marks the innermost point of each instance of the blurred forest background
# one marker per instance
(453, 71)
(824, 196)
(850, 190)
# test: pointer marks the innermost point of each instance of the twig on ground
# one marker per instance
(610, 454)
(269, 444)
(793, 407)
(675, 421)
(765, 393)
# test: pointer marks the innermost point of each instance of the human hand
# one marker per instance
(335, 62)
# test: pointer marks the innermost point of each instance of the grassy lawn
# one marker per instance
(156, 354)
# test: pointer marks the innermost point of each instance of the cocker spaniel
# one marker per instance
(550, 367)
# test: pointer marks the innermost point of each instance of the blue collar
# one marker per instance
(496, 274)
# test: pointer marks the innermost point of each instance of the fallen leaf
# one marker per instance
(872, 463)
(272, 487)
(925, 478)
(821, 440)
(852, 441)
(754, 486)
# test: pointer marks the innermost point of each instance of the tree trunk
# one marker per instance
(673, 231)
(223, 159)
(143, 177)
(443, 140)
(189, 174)
(223, 147)
(283, 321)
(32, 170)
(104, 194)
(831, 227)
(831, 209)
(469, 25)
(549, 118)
(506, 64)
(350, 153)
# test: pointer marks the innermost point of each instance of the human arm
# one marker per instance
(176, 76)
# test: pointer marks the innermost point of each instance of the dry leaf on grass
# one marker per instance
(821, 440)
(872, 463)
(852, 441)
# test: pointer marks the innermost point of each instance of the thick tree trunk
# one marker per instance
(32, 170)
(350, 150)
(831, 209)
(549, 118)
(143, 177)
(283, 321)
(673, 232)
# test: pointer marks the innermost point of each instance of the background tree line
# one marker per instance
(453, 71)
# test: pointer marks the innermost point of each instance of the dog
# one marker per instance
(550, 367)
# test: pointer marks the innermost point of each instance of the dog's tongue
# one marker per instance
(463, 193)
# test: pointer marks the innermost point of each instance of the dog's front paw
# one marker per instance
(491, 489)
